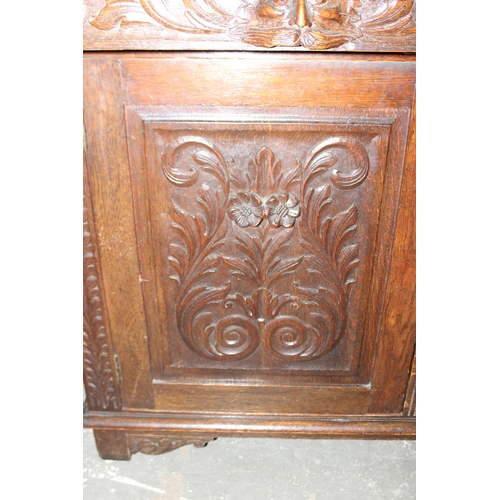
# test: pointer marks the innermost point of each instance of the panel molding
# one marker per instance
(397, 328)
(354, 427)
(147, 124)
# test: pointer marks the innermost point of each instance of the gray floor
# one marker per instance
(257, 469)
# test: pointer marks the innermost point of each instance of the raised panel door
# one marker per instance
(245, 209)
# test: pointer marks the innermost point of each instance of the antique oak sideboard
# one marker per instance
(249, 212)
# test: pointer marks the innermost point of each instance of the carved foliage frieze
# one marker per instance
(244, 222)
(313, 24)
(97, 369)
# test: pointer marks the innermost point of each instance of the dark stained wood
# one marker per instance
(312, 80)
(356, 427)
(265, 399)
(112, 444)
(377, 25)
(410, 404)
(249, 233)
(157, 443)
(99, 372)
(106, 161)
(395, 160)
(267, 280)
(397, 335)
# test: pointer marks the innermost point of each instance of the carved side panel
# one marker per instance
(100, 385)
(260, 244)
(310, 24)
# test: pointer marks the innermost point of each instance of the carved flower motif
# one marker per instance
(283, 209)
(246, 209)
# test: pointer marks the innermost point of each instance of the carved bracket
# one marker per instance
(157, 444)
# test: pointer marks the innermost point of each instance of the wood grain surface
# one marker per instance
(107, 164)
(253, 222)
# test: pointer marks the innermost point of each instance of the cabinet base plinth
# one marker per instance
(162, 432)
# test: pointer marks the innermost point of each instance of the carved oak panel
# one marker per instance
(258, 243)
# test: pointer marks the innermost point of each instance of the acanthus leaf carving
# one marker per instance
(321, 159)
(201, 234)
(100, 384)
(312, 24)
(219, 321)
(116, 12)
(324, 237)
(395, 16)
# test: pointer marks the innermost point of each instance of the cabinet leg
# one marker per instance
(112, 445)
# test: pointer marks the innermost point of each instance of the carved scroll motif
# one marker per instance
(265, 204)
(196, 255)
(313, 24)
(329, 257)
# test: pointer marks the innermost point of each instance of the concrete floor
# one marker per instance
(257, 469)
